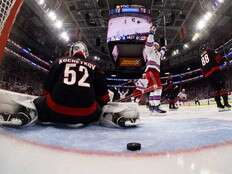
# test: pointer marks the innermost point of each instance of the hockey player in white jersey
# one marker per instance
(141, 85)
(182, 97)
(123, 93)
(152, 55)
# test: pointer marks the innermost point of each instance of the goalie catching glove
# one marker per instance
(124, 115)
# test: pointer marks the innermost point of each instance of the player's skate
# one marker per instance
(123, 115)
(172, 107)
(156, 109)
(227, 105)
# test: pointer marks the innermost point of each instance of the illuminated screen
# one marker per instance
(129, 55)
(130, 62)
(128, 28)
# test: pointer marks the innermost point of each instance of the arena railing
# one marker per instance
(224, 47)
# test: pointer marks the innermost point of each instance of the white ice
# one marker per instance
(200, 142)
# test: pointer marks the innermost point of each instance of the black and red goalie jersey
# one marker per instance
(210, 62)
(75, 87)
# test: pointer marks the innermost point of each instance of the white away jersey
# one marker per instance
(182, 96)
(151, 55)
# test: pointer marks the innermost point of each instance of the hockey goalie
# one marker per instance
(75, 93)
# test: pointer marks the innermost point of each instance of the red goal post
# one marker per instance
(8, 12)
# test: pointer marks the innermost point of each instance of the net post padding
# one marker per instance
(8, 23)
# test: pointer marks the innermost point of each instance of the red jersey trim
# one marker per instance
(211, 71)
(105, 98)
(45, 92)
(70, 111)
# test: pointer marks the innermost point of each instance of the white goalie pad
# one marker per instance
(10, 101)
(116, 114)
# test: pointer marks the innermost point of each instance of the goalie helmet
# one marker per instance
(78, 49)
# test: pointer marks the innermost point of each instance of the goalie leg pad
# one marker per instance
(120, 115)
(26, 115)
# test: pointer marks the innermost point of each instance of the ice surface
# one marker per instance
(180, 139)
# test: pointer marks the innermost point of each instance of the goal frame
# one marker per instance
(7, 25)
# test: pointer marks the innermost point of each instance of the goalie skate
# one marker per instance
(24, 115)
(14, 120)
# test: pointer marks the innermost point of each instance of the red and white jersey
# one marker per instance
(151, 55)
(182, 96)
(141, 84)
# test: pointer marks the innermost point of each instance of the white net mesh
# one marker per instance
(5, 7)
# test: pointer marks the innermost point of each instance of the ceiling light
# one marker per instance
(64, 36)
(52, 15)
(196, 36)
(221, 1)
(207, 16)
(40, 2)
(58, 24)
(175, 52)
(201, 24)
(186, 46)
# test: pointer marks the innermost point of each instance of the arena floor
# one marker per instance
(194, 140)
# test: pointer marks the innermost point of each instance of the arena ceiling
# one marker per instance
(88, 20)
(91, 16)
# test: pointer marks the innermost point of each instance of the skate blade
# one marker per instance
(224, 110)
(130, 124)
(11, 123)
(173, 110)
(157, 114)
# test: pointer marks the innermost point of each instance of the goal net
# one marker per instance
(8, 13)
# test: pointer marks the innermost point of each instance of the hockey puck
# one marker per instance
(133, 146)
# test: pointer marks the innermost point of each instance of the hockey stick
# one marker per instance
(126, 83)
(146, 90)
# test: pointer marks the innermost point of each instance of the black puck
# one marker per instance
(133, 146)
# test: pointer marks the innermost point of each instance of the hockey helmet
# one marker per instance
(203, 47)
(78, 49)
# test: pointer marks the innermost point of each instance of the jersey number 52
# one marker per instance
(70, 75)
(205, 59)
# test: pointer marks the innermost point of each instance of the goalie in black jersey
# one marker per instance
(75, 93)
(75, 89)
(210, 64)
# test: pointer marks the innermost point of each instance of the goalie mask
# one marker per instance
(79, 49)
